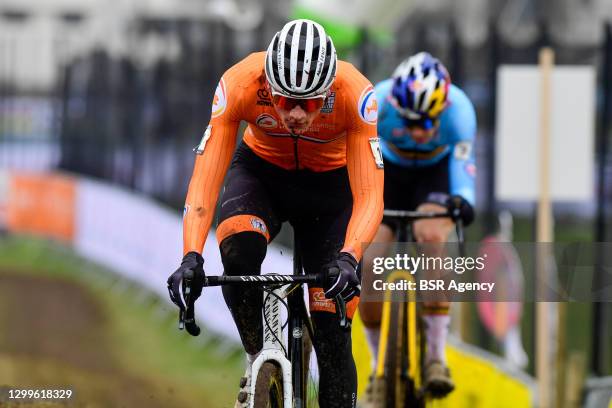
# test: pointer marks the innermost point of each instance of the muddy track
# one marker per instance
(54, 332)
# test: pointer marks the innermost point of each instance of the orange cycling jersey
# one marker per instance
(343, 134)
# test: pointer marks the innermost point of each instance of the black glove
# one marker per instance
(193, 262)
(342, 278)
(458, 207)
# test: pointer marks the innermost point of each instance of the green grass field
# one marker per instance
(66, 323)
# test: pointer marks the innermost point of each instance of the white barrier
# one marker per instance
(124, 231)
(142, 240)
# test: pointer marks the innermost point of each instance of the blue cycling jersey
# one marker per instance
(455, 136)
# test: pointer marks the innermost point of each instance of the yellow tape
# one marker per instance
(479, 383)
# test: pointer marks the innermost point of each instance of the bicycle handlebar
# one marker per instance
(261, 280)
(411, 216)
(187, 316)
(416, 215)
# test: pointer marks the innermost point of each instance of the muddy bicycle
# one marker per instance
(401, 352)
(281, 376)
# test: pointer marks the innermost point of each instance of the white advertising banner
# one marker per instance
(518, 133)
(142, 241)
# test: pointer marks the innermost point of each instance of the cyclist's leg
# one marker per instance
(247, 224)
(436, 316)
(434, 233)
(321, 238)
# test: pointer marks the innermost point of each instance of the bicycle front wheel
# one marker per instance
(269, 386)
(395, 362)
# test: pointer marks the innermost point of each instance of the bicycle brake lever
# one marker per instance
(181, 319)
(187, 316)
(341, 311)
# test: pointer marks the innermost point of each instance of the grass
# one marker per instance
(141, 328)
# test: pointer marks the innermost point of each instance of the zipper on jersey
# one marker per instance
(295, 150)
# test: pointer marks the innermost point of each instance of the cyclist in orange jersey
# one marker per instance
(309, 156)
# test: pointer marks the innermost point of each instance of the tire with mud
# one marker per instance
(269, 386)
(395, 380)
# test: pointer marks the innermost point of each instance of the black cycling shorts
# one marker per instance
(408, 187)
(260, 196)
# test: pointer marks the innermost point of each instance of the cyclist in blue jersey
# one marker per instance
(427, 128)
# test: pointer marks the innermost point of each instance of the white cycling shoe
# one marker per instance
(374, 396)
(438, 382)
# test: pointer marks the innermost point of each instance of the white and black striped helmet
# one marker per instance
(301, 60)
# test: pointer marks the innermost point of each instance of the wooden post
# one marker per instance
(576, 373)
(544, 370)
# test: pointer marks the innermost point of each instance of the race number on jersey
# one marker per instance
(463, 150)
(200, 148)
(376, 152)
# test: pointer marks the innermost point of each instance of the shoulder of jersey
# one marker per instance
(358, 91)
(347, 77)
(247, 70)
(459, 102)
(457, 95)
(244, 74)
(383, 89)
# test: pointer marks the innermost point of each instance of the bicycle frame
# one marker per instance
(272, 349)
(293, 368)
(289, 287)
(408, 312)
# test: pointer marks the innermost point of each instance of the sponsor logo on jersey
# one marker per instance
(377, 153)
(368, 105)
(319, 127)
(470, 168)
(463, 150)
(219, 100)
(258, 225)
(328, 107)
(263, 97)
(266, 121)
(199, 149)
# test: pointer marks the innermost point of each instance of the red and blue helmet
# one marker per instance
(420, 89)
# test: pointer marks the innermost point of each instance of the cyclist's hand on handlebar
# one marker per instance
(460, 208)
(193, 262)
(342, 278)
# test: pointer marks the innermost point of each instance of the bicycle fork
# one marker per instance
(272, 347)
